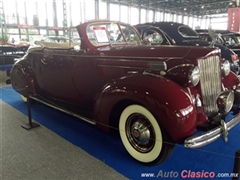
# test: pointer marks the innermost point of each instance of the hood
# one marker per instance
(186, 53)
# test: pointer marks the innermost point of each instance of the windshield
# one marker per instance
(112, 33)
(207, 37)
(238, 38)
(230, 39)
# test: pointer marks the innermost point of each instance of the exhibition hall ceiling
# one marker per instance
(185, 7)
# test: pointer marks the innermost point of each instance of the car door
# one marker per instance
(55, 70)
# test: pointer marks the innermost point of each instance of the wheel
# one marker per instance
(143, 137)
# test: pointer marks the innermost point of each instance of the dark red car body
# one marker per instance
(98, 82)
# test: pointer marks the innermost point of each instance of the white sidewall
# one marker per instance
(142, 157)
(24, 98)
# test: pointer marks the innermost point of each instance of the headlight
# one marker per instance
(194, 76)
(226, 68)
(225, 101)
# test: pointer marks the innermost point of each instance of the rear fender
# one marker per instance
(21, 78)
(168, 101)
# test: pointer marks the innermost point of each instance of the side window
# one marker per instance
(186, 31)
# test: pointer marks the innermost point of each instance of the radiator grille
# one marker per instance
(210, 81)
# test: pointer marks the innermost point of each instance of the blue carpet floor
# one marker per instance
(213, 159)
(6, 67)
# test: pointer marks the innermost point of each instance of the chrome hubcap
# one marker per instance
(140, 133)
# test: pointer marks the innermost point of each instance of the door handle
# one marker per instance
(43, 60)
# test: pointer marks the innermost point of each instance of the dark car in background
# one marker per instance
(237, 35)
(222, 37)
(180, 34)
(9, 52)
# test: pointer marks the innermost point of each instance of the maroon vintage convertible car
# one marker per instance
(155, 96)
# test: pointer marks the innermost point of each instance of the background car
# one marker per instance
(222, 37)
(180, 34)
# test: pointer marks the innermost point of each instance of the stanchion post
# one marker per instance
(236, 168)
(30, 124)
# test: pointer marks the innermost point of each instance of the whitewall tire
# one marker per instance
(142, 135)
(24, 98)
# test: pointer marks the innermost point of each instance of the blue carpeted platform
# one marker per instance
(215, 158)
(6, 67)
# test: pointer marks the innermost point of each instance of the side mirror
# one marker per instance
(77, 48)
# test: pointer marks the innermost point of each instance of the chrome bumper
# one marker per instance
(212, 135)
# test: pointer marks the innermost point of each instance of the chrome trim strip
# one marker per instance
(65, 111)
(125, 67)
(112, 57)
(118, 63)
(151, 74)
(180, 66)
(211, 135)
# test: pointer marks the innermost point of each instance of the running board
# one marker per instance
(91, 121)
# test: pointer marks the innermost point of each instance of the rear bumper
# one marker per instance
(212, 135)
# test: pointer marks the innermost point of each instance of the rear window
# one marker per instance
(186, 31)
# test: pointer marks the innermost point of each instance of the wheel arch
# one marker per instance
(115, 97)
(116, 111)
(21, 77)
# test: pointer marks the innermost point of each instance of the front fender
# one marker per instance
(168, 101)
(230, 80)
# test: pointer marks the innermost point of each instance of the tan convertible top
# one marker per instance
(57, 45)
